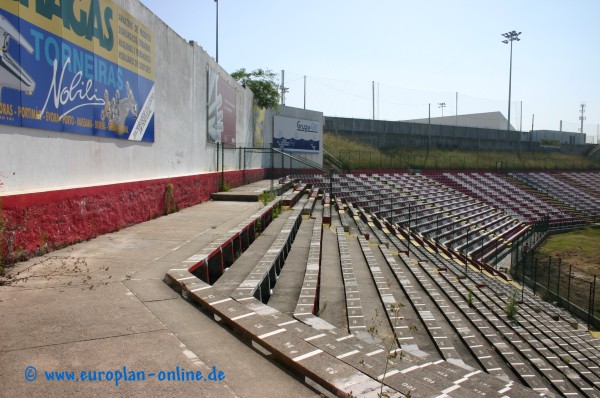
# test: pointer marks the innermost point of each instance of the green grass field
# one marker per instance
(356, 155)
(580, 248)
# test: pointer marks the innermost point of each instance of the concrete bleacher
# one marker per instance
(503, 194)
(356, 302)
(588, 181)
(562, 190)
(354, 310)
(212, 261)
(458, 321)
(259, 283)
(331, 357)
(528, 342)
(308, 299)
(428, 207)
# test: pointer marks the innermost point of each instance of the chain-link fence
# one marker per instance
(555, 281)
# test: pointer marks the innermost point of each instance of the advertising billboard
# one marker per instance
(259, 126)
(221, 113)
(84, 67)
(296, 135)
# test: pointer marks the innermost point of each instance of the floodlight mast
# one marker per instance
(442, 105)
(217, 32)
(509, 38)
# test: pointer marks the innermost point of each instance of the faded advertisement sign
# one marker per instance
(296, 135)
(84, 67)
(259, 126)
(221, 110)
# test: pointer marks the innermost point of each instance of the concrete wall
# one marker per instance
(59, 188)
(563, 137)
(38, 160)
(389, 134)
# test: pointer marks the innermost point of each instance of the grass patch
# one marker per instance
(357, 155)
(578, 247)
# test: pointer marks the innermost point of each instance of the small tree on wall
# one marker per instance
(263, 85)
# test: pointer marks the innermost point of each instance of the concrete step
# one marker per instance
(289, 283)
(240, 269)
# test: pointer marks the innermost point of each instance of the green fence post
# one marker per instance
(569, 288)
(589, 307)
(549, 264)
(593, 296)
(558, 279)
(524, 262)
(535, 275)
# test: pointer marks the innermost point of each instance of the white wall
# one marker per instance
(40, 160)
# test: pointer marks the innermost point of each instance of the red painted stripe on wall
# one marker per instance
(35, 223)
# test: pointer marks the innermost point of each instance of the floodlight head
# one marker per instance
(511, 36)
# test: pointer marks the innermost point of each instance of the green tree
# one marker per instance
(263, 85)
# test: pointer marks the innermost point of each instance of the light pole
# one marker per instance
(509, 38)
(217, 33)
(442, 105)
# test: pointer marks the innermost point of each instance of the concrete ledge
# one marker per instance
(236, 196)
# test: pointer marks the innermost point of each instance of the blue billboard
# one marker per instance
(84, 67)
(297, 135)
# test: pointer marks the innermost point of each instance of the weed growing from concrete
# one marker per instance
(470, 298)
(170, 203)
(225, 187)
(393, 354)
(512, 306)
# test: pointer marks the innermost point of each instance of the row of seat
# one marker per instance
(494, 339)
(505, 329)
(433, 324)
(440, 211)
(308, 301)
(411, 373)
(354, 310)
(502, 194)
(590, 181)
(577, 383)
(259, 283)
(334, 359)
(210, 262)
(571, 196)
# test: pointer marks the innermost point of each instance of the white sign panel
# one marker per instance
(296, 135)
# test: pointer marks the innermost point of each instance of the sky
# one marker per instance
(400, 59)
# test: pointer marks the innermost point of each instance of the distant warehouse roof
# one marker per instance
(487, 120)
